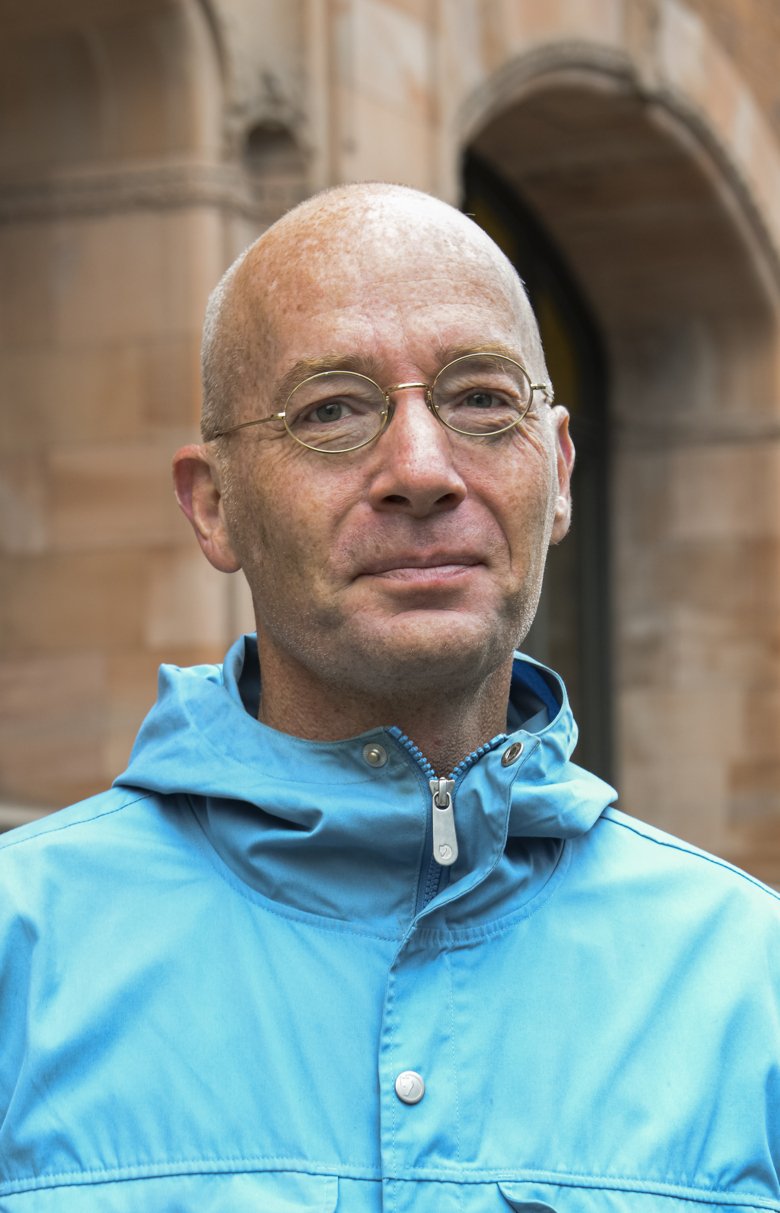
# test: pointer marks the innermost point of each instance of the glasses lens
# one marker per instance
(335, 411)
(481, 394)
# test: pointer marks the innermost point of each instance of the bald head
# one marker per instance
(331, 245)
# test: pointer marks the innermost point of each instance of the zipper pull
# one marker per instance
(445, 840)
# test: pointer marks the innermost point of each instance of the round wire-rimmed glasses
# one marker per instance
(479, 395)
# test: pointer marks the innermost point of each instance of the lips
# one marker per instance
(400, 561)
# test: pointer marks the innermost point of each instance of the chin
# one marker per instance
(453, 654)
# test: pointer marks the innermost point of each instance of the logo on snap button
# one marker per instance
(409, 1086)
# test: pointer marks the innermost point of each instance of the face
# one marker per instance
(416, 562)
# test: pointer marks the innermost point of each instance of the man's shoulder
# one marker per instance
(660, 861)
(99, 842)
(85, 817)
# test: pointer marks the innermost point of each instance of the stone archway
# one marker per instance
(667, 245)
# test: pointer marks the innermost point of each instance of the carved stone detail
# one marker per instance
(150, 187)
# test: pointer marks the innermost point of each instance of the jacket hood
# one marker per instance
(323, 806)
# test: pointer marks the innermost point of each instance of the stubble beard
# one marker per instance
(395, 663)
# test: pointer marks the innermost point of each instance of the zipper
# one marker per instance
(441, 821)
(445, 838)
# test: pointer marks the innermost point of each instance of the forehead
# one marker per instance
(412, 302)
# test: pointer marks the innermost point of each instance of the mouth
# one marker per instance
(419, 568)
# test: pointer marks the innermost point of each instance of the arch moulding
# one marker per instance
(721, 125)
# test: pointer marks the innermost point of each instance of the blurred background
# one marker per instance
(624, 153)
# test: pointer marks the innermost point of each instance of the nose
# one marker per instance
(414, 472)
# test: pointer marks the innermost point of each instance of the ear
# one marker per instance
(196, 482)
(565, 465)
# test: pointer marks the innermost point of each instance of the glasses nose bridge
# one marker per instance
(406, 387)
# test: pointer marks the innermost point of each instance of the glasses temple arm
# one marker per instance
(244, 425)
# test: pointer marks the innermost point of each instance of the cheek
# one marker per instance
(525, 485)
(250, 522)
(283, 518)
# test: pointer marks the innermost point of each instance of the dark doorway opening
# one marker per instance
(571, 632)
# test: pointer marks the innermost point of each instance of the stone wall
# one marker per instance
(112, 233)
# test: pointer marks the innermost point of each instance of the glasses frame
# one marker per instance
(387, 413)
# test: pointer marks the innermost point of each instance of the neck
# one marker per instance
(447, 724)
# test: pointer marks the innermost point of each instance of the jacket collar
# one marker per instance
(314, 827)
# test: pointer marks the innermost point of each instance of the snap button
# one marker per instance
(374, 754)
(409, 1086)
(511, 753)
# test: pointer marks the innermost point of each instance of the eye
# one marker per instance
(330, 410)
(483, 399)
(481, 394)
(335, 411)
(479, 409)
(480, 398)
(325, 412)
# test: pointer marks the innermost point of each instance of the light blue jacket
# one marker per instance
(213, 974)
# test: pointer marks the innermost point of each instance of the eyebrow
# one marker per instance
(367, 365)
(448, 353)
(306, 367)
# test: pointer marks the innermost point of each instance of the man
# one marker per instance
(350, 933)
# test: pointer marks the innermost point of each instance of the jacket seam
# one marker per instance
(72, 825)
(258, 1165)
(648, 1187)
(223, 1165)
(675, 845)
(447, 957)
